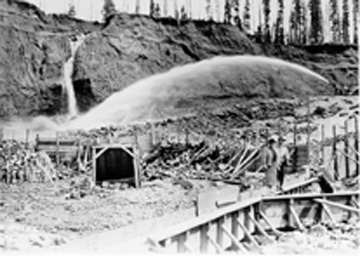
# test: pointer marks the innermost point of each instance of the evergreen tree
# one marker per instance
(152, 8)
(137, 6)
(246, 16)
(296, 21)
(157, 11)
(335, 21)
(165, 8)
(279, 27)
(183, 14)
(176, 12)
(316, 29)
(209, 10)
(346, 21)
(227, 12)
(108, 9)
(356, 16)
(266, 4)
(237, 19)
(71, 12)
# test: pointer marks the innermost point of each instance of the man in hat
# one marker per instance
(271, 164)
(282, 161)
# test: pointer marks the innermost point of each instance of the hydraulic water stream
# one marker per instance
(68, 72)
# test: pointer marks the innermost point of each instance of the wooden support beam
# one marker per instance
(336, 171)
(260, 229)
(295, 216)
(295, 142)
(219, 233)
(346, 150)
(248, 234)
(328, 213)
(233, 239)
(340, 206)
(262, 214)
(57, 156)
(98, 154)
(204, 238)
(234, 226)
(323, 143)
(215, 244)
(356, 144)
(308, 130)
(354, 202)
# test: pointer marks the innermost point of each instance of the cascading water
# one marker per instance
(195, 85)
(68, 71)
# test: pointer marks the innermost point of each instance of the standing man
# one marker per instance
(283, 161)
(271, 164)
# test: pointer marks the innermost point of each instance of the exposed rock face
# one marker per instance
(33, 50)
(35, 46)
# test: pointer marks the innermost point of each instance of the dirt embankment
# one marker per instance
(35, 46)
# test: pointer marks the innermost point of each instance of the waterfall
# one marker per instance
(68, 71)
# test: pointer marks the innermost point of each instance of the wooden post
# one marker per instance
(346, 149)
(136, 167)
(323, 143)
(219, 231)
(27, 134)
(234, 226)
(178, 131)
(356, 145)
(94, 165)
(204, 239)
(153, 134)
(336, 171)
(308, 131)
(57, 156)
(295, 149)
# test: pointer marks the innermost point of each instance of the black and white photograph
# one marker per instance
(179, 126)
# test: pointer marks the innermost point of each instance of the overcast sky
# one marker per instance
(91, 9)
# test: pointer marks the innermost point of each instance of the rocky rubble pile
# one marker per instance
(319, 238)
(17, 237)
(19, 164)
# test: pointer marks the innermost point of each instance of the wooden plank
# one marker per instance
(233, 239)
(181, 243)
(248, 234)
(217, 247)
(204, 238)
(295, 146)
(260, 229)
(137, 168)
(336, 171)
(354, 202)
(234, 226)
(328, 213)
(98, 154)
(356, 144)
(311, 196)
(346, 150)
(323, 143)
(219, 233)
(308, 130)
(295, 216)
(57, 150)
(340, 206)
(262, 214)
